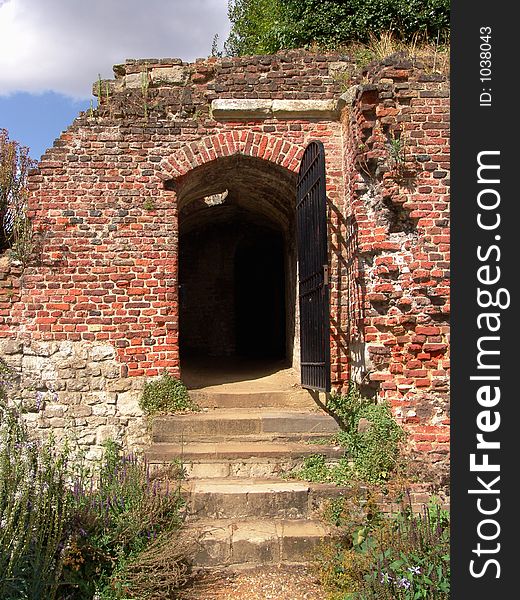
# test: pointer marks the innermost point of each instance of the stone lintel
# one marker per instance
(305, 109)
(230, 109)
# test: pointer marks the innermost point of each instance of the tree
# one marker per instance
(265, 26)
(15, 227)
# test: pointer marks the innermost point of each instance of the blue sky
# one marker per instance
(51, 52)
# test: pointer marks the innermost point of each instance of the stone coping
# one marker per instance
(223, 109)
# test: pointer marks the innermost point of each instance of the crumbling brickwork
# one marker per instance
(113, 196)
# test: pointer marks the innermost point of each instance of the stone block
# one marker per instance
(241, 109)
(305, 109)
(99, 353)
(11, 347)
(169, 75)
(133, 81)
(128, 403)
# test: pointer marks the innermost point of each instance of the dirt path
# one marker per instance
(273, 583)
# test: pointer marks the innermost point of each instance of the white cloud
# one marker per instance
(62, 45)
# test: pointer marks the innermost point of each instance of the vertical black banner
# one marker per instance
(485, 234)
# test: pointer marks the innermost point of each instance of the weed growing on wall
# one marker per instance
(371, 438)
(165, 395)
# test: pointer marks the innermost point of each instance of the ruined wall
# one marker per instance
(396, 235)
(108, 196)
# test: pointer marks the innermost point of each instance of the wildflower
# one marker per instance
(39, 400)
(385, 578)
(404, 583)
(415, 570)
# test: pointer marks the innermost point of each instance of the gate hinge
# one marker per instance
(325, 274)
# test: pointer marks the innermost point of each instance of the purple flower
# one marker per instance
(39, 400)
(415, 570)
(385, 578)
(404, 583)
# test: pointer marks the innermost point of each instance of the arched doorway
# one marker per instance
(237, 263)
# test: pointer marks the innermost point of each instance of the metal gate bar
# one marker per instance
(311, 218)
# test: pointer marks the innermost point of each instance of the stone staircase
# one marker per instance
(241, 511)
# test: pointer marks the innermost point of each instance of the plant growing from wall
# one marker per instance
(165, 395)
(371, 438)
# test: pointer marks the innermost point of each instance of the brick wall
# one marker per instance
(111, 195)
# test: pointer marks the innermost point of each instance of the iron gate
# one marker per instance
(313, 275)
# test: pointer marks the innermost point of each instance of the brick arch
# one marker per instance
(267, 147)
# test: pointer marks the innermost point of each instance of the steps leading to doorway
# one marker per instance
(286, 399)
(238, 508)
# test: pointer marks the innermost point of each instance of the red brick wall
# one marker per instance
(397, 232)
(107, 271)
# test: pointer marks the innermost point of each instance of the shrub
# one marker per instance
(266, 26)
(404, 558)
(35, 507)
(371, 438)
(165, 395)
(119, 516)
(70, 532)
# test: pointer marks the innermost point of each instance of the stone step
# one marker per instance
(237, 451)
(238, 544)
(298, 399)
(235, 498)
(239, 459)
(222, 424)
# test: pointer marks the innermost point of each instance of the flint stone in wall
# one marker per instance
(11, 347)
(128, 403)
(168, 75)
(77, 385)
(111, 371)
(105, 433)
(133, 81)
(80, 411)
(104, 410)
(120, 385)
(55, 410)
(41, 349)
(99, 353)
(87, 438)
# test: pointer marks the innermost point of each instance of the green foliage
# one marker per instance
(35, 507)
(15, 226)
(70, 532)
(371, 438)
(404, 558)
(165, 395)
(118, 516)
(258, 27)
(316, 468)
(266, 26)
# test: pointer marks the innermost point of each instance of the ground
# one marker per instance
(266, 583)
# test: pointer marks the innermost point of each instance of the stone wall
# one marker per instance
(111, 195)
(78, 392)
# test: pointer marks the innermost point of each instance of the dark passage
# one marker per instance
(260, 296)
(232, 289)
